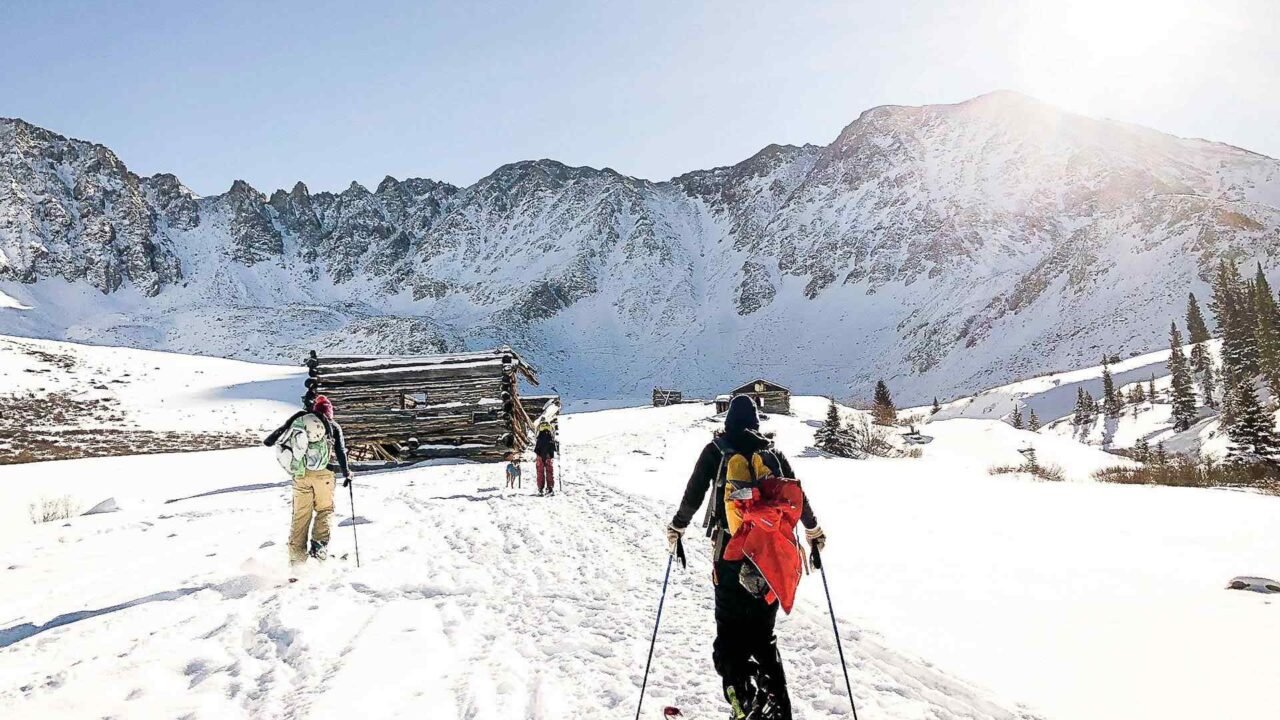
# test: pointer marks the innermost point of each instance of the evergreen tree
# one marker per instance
(1203, 373)
(1233, 306)
(830, 436)
(1253, 435)
(1016, 418)
(1182, 392)
(1086, 409)
(1152, 396)
(936, 407)
(1201, 358)
(1267, 332)
(1227, 414)
(1142, 450)
(884, 411)
(1197, 330)
(1111, 405)
(1033, 422)
(1137, 395)
(1160, 457)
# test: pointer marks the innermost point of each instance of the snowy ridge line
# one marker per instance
(944, 248)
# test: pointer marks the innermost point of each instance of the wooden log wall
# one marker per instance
(405, 409)
(663, 397)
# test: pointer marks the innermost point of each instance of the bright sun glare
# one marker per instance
(1080, 51)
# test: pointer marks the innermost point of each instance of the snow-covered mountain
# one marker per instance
(946, 248)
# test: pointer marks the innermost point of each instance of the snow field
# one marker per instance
(160, 391)
(471, 603)
(1083, 600)
(960, 595)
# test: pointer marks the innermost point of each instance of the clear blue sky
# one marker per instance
(274, 92)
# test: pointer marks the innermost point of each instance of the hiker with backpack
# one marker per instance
(753, 511)
(544, 450)
(304, 446)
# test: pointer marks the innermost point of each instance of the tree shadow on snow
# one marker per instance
(237, 488)
(18, 633)
(472, 498)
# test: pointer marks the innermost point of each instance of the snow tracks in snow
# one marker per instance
(471, 604)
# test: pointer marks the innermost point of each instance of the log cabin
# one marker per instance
(404, 409)
(768, 396)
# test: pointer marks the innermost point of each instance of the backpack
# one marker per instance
(304, 446)
(761, 510)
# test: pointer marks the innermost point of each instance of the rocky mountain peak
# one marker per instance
(942, 247)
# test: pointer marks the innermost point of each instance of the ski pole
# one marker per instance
(677, 552)
(351, 492)
(817, 562)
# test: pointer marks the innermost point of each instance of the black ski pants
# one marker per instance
(745, 644)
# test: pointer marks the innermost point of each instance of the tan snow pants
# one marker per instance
(312, 493)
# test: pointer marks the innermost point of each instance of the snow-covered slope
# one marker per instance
(960, 595)
(946, 248)
(66, 400)
(1053, 399)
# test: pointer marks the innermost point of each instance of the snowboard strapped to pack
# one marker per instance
(758, 510)
(304, 446)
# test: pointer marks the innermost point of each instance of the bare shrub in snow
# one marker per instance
(867, 439)
(52, 509)
(1187, 471)
(910, 421)
(1039, 471)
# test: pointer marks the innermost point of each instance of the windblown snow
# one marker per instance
(959, 594)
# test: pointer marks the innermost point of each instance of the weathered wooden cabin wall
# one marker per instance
(413, 408)
(663, 398)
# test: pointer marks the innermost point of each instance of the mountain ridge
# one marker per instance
(943, 246)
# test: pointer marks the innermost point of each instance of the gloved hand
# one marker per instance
(346, 481)
(673, 536)
(817, 538)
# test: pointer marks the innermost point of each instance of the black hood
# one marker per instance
(741, 416)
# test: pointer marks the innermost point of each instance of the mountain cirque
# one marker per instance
(944, 248)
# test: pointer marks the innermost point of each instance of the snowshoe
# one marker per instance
(754, 701)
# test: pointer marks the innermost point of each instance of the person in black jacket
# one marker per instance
(313, 489)
(544, 448)
(745, 651)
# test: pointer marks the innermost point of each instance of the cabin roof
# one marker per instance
(352, 367)
(750, 388)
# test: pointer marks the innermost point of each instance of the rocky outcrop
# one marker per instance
(938, 245)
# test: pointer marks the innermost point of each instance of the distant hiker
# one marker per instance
(751, 481)
(513, 470)
(545, 450)
(304, 445)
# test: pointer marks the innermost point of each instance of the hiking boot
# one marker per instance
(736, 710)
(319, 551)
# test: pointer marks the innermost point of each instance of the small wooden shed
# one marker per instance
(663, 397)
(769, 397)
(411, 408)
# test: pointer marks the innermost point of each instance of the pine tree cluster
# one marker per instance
(1248, 318)
(857, 438)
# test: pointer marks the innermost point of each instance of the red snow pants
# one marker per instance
(546, 474)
